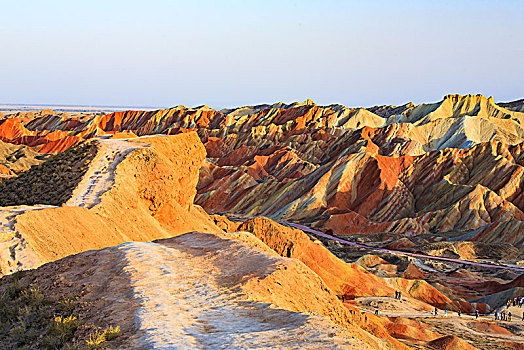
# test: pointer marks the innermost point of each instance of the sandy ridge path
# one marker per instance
(182, 306)
(99, 178)
(14, 251)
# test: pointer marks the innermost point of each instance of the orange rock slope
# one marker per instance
(406, 177)
(152, 197)
(454, 166)
(348, 280)
(352, 281)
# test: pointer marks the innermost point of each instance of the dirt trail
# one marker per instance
(192, 292)
(182, 306)
(100, 176)
(14, 251)
(409, 307)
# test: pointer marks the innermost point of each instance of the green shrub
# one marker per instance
(112, 333)
(97, 338)
(66, 306)
(32, 319)
(27, 316)
(61, 330)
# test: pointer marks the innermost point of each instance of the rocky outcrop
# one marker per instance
(344, 279)
(351, 170)
(17, 158)
(478, 189)
(151, 197)
(225, 224)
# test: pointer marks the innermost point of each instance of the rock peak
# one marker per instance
(309, 102)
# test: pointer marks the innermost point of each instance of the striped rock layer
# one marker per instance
(454, 166)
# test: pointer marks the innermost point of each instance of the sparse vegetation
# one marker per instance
(30, 319)
(60, 331)
(26, 314)
(112, 333)
(97, 338)
(51, 182)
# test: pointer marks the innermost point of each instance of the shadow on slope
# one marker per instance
(51, 182)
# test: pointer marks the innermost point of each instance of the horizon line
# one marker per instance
(224, 108)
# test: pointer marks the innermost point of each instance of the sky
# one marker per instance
(232, 53)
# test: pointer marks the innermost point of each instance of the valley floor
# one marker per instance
(484, 332)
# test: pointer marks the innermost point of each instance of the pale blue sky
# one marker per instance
(231, 53)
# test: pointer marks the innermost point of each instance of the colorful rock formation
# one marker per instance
(151, 196)
(445, 170)
(444, 179)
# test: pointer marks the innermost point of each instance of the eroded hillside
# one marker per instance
(411, 182)
(132, 191)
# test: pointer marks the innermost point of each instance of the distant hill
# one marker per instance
(451, 166)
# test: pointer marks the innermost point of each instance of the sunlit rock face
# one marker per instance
(450, 166)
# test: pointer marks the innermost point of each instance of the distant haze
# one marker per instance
(231, 53)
